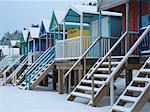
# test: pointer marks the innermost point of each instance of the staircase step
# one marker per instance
(77, 94)
(105, 69)
(95, 82)
(121, 108)
(117, 57)
(112, 63)
(128, 98)
(86, 88)
(133, 88)
(141, 79)
(145, 70)
(101, 75)
(22, 87)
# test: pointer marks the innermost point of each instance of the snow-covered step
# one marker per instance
(105, 69)
(128, 98)
(145, 70)
(112, 63)
(22, 87)
(117, 57)
(88, 96)
(101, 75)
(133, 88)
(95, 82)
(141, 79)
(121, 108)
(86, 88)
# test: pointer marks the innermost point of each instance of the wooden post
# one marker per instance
(69, 83)
(148, 12)
(34, 50)
(80, 75)
(100, 30)
(126, 39)
(81, 32)
(64, 31)
(93, 90)
(28, 47)
(54, 78)
(128, 76)
(40, 45)
(60, 81)
(84, 65)
(46, 40)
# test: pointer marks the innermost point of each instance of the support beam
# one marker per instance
(54, 36)
(34, 49)
(46, 41)
(81, 32)
(59, 32)
(60, 81)
(100, 30)
(28, 47)
(40, 45)
(50, 40)
(148, 12)
(128, 76)
(64, 30)
(139, 15)
(64, 39)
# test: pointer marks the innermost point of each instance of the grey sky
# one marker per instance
(17, 14)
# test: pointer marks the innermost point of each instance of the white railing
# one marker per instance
(73, 48)
(8, 60)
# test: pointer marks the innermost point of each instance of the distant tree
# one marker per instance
(90, 3)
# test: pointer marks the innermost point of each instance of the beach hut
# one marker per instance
(84, 29)
(23, 42)
(44, 35)
(99, 81)
(135, 16)
(33, 41)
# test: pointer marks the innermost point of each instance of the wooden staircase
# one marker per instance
(8, 69)
(39, 70)
(38, 76)
(96, 83)
(101, 76)
(136, 93)
(13, 76)
(21, 78)
(5, 62)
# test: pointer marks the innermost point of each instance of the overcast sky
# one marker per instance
(18, 14)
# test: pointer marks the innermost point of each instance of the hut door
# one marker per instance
(95, 28)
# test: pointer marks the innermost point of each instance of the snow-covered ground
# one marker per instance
(42, 99)
(13, 99)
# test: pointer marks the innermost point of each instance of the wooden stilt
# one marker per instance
(60, 81)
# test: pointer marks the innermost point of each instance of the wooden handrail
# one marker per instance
(136, 44)
(108, 53)
(83, 55)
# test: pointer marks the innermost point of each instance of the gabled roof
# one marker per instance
(84, 9)
(34, 32)
(56, 18)
(92, 10)
(25, 34)
(46, 24)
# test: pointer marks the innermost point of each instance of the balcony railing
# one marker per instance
(73, 48)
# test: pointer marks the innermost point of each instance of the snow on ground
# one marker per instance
(43, 99)
(13, 99)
